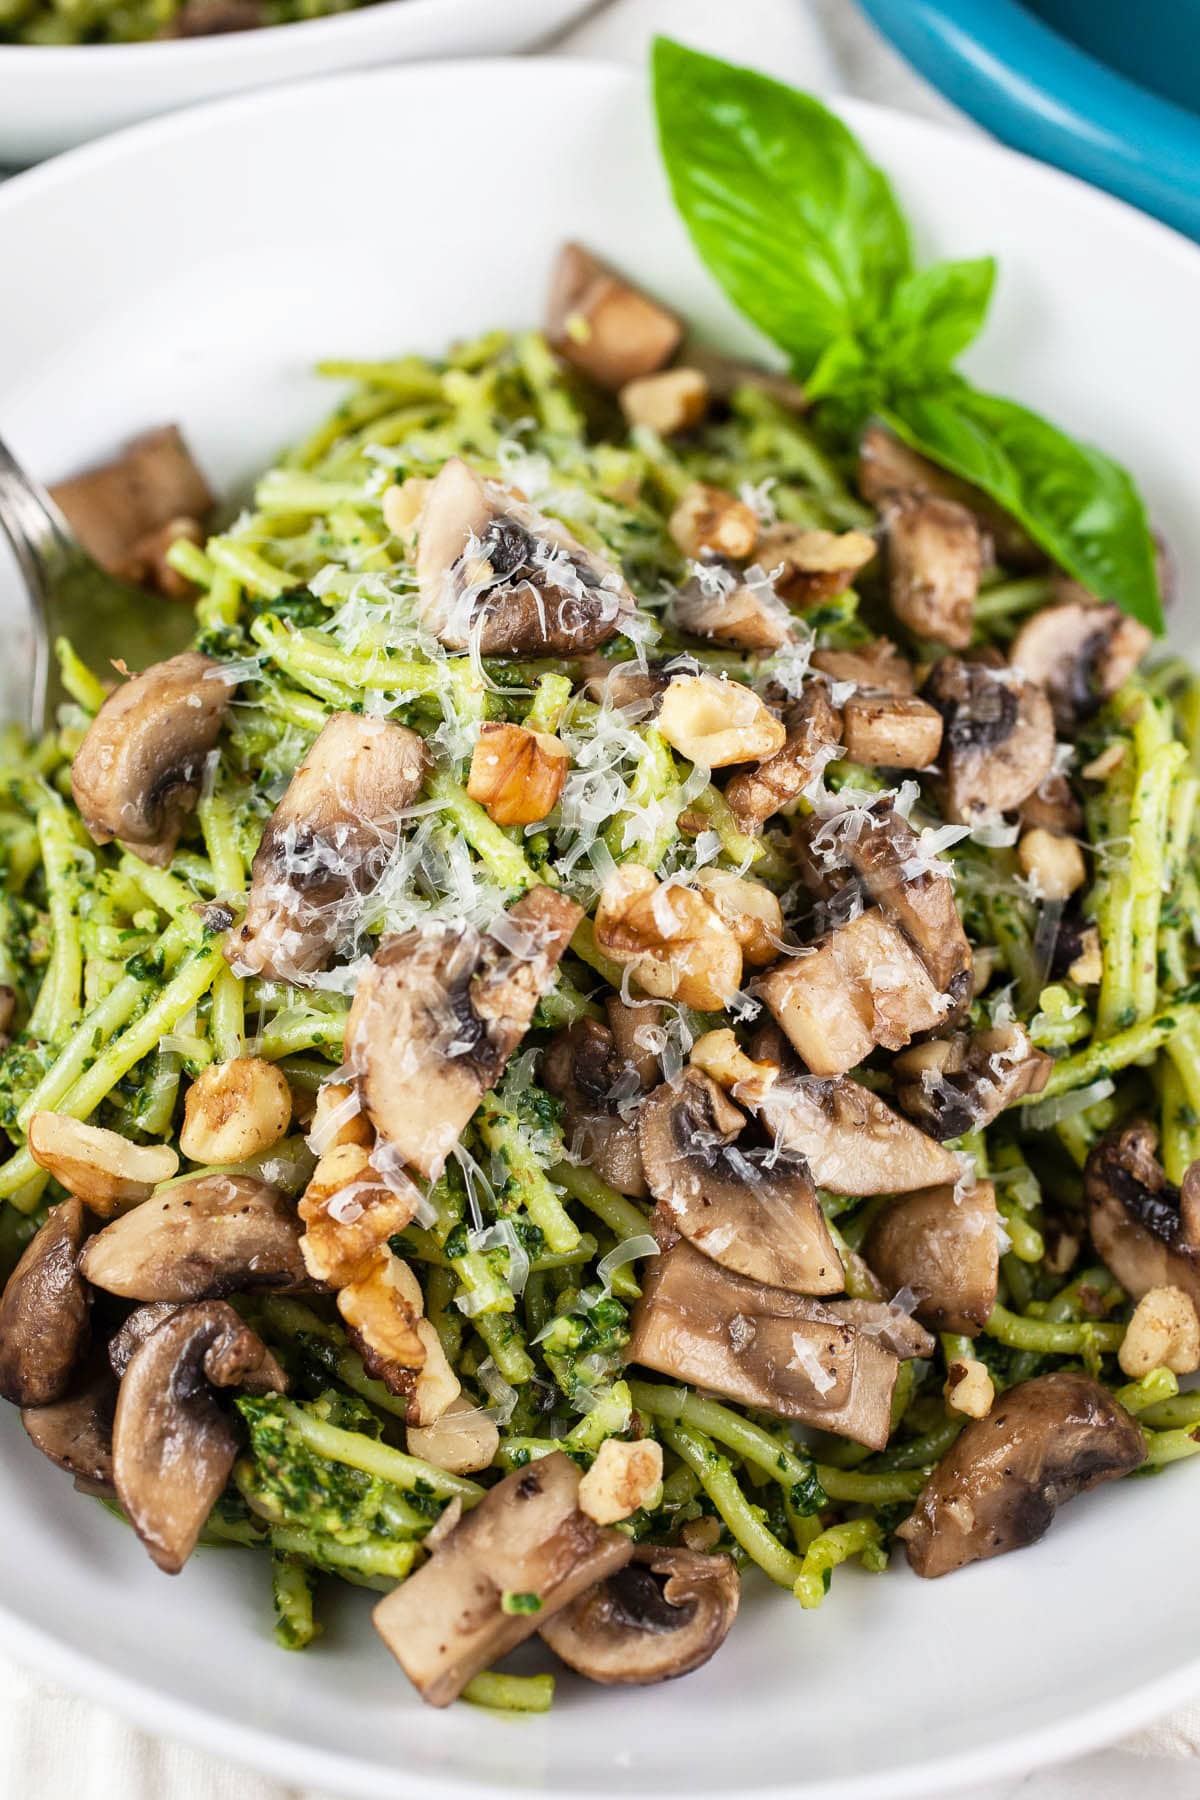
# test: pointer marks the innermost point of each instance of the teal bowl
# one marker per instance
(1107, 89)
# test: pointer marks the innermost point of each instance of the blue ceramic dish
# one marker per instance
(1123, 112)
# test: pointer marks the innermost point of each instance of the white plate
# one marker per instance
(395, 210)
(52, 97)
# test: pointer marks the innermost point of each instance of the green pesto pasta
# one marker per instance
(530, 1275)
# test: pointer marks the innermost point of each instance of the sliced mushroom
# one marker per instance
(886, 467)
(173, 1448)
(44, 1312)
(915, 889)
(1001, 1482)
(887, 1320)
(494, 573)
(632, 1023)
(808, 566)
(208, 1236)
(115, 507)
(1136, 1218)
(878, 667)
(1081, 652)
(998, 745)
(863, 985)
(758, 1219)
(891, 731)
(814, 731)
(528, 1538)
(76, 1432)
(1053, 807)
(604, 326)
(326, 846)
(761, 1346)
(851, 1140)
(132, 1334)
(936, 556)
(747, 616)
(944, 1248)
(137, 773)
(958, 1084)
(582, 1068)
(101, 1168)
(664, 1614)
(437, 1015)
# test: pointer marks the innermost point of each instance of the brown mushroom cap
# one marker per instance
(958, 1084)
(129, 1337)
(114, 507)
(437, 1015)
(327, 844)
(137, 773)
(945, 1250)
(603, 325)
(883, 853)
(1137, 1222)
(936, 556)
(664, 1614)
(761, 1346)
(813, 728)
(1080, 651)
(44, 1312)
(76, 1432)
(886, 467)
(891, 731)
(581, 1066)
(998, 745)
(173, 1448)
(851, 1140)
(748, 617)
(863, 985)
(494, 571)
(527, 1536)
(760, 1221)
(999, 1485)
(209, 1236)
(878, 667)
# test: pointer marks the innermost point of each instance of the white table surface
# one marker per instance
(53, 1745)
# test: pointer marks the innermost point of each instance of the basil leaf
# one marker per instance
(935, 313)
(795, 222)
(1079, 505)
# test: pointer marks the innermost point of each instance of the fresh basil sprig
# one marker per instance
(806, 236)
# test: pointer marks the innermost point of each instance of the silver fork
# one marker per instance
(71, 596)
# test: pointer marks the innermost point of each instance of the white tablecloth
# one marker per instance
(53, 1745)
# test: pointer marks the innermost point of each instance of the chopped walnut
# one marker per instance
(751, 911)
(1055, 863)
(672, 401)
(708, 521)
(969, 1388)
(813, 565)
(517, 775)
(679, 946)
(1164, 1333)
(720, 1056)
(235, 1109)
(623, 1478)
(349, 1214)
(715, 722)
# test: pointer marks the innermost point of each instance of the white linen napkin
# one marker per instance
(53, 1744)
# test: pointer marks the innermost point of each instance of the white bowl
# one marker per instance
(52, 98)
(380, 212)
